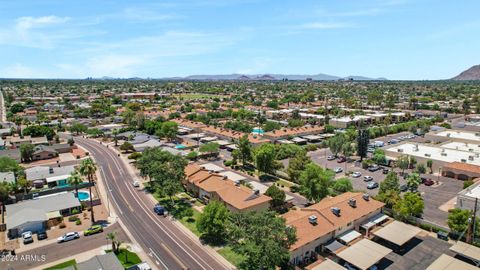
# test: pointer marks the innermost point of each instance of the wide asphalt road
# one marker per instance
(168, 245)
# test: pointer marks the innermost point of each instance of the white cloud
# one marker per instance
(26, 23)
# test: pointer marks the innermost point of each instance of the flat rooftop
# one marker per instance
(467, 147)
(465, 135)
(435, 153)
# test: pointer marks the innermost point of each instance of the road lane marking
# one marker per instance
(110, 190)
(158, 258)
(176, 240)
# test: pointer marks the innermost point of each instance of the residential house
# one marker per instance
(32, 215)
(44, 152)
(106, 261)
(53, 176)
(11, 153)
(323, 221)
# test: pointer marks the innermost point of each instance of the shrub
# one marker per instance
(294, 189)
(78, 222)
(467, 183)
(62, 225)
(75, 211)
(311, 147)
(135, 155)
(72, 218)
(227, 163)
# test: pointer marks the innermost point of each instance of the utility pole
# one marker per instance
(474, 220)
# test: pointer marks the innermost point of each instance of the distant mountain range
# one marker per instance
(272, 77)
(470, 74)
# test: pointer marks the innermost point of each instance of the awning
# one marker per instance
(379, 218)
(368, 225)
(57, 178)
(334, 246)
(364, 253)
(445, 262)
(53, 214)
(466, 250)
(397, 232)
(328, 265)
(349, 236)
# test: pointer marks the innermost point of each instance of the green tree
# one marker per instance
(10, 165)
(115, 136)
(26, 151)
(23, 184)
(210, 148)
(402, 163)
(78, 128)
(168, 130)
(5, 190)
(458, 220)
(265, 158)
(342, 185)
(245, 149)
(413, 181)
(390, 197)
(278, 196)
(88, 168)
(315, 181)
(379, 156)
(421, 168)
(336, 143)
(297, 164)
(127, 147)
(362, 143)
(430, 165)
(212, 222)
(75, 179)
(410, 205)
(262, 237)
(390, 183)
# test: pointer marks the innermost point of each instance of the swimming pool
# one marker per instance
(180, 146)
(258, 131)
(83, 196)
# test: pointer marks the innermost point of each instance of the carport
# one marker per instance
(334, 246)
(397, 232)
(445, 262)
(468, 251)
(364, 254)
(349, 236)
(328, 265)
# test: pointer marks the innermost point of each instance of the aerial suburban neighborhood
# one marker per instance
(259, 169)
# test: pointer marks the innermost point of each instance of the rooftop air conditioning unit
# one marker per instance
(352, 202)
(366, 196)
(336, 211)
(463, 160)
(428, 155)
(312, 219)
(237, 183)
(400, 150)
(470, 158)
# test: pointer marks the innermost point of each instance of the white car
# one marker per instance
(367, 178)
(68, 237)
(338, 170)
(356, 174)
(136, 183)
(27, 237)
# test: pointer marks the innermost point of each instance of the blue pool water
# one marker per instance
(258, 131)
(83, 196)
(180, 146)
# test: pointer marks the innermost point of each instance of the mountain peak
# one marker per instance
(470, 74)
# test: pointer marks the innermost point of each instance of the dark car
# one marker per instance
(341, 159)
(403, 188)
(42, 235)
(428, 182)
(385, 171)
(373, 168)
(160, 210)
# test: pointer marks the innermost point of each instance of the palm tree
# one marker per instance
(113, 237)
(5, 190)
(23, 183)
(88, 168)
(115, 139)
(75, 179)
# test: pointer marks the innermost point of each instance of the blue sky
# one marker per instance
(396, 39)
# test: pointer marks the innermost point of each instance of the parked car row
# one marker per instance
(27, 237)
(75, 235)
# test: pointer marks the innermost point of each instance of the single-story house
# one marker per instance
(32, 215)
(44, 172)
(44, 152)
(140, 147)
(106, 261)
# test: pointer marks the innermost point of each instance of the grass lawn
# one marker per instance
(189, 222)
(62, 265)
(286, 183)
(130, 260)
(231, 255)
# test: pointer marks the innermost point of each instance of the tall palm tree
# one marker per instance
(5, 190)
(75, 179)
(88, 169)
(115, 134)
